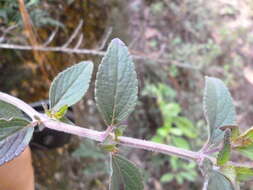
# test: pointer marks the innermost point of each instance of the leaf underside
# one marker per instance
(125, 175)
(218, 108)
(69, 86)
(15, 144)
(10, 126)
(218, 181)
(116, 84)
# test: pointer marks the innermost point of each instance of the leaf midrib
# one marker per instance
(115, 88)
(65, 91)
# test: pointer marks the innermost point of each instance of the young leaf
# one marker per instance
(62, 111)
(224, 154)
(244, 173)
(246, 151)
(11, 126)
(69, 86)
(217, 181)
(244, 143)
(125, 175)
(218, 108)
(15, 144)
(116, 84)
(245, 139)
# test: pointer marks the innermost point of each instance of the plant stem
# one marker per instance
(100, 136)
(160, 148)
(125, 141)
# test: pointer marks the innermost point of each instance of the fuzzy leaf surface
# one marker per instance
(10, 126)
(125, 175)
(116, 84)
(217, 181)
(218, 108)
(14, 144)
(70, 85)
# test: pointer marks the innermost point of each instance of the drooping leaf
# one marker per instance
(11, 126)
(116, 84)
(218, 108)
(224, 154)
(125, 175)
(69, 86)
(15, 144)
(217, 181)
(8, 111)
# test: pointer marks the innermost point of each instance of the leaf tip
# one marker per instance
(117, 41)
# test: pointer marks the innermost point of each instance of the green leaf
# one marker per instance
(62, 111)
(125, 175)
(218, 108)
(15, 144)
(244, 173)
(244, 143)
(186, 126)
(119, 131)
(11, 126)
(168, 177)
(245, 139)
(217, 181)
(8, 111)
(88, 149)
(180, 142)
(116, 84)
(246, 151)
(69, 86)
(224, 154)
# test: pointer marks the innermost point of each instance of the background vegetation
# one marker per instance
(179, 41)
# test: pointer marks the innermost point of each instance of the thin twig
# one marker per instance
(51, 37)
(93, 52)
(74, 34)
(79, 42)
(105, 38)
(55, 49)
(7, 31)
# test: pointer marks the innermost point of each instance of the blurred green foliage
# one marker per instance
(90, 151)
(10, 15)
(176, 130)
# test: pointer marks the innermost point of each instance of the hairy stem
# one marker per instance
(98, 135)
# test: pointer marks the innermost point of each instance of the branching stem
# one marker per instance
(98, 135)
